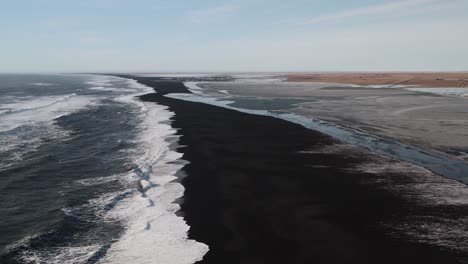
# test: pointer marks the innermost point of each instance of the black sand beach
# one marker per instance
(260, 190)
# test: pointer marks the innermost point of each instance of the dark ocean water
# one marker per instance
(71, 150)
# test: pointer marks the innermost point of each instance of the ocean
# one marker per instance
(88, 173)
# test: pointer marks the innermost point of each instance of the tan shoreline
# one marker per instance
(428, 79)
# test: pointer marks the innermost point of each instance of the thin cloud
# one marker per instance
(211, 14)
(370, 11)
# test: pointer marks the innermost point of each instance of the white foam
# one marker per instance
(99, 180)
(14, 145)
(61, 255)
(102, 80)
(154, 233)
(34, 116)
(40, 109)
(111, 89)
(43, 84)
(35, 119)
(97, 206)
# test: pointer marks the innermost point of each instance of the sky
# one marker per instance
(236, 35)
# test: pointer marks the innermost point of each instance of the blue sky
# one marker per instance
(237, 35)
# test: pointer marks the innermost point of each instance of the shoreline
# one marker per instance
(257, 185)
(391, 121)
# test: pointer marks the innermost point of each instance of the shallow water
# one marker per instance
(432, 160)
(266, 104)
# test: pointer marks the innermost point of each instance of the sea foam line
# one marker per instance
(154, 233)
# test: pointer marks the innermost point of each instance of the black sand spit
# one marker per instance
(254, 196)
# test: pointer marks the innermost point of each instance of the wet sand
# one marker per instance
(263, 190)
(427, 79)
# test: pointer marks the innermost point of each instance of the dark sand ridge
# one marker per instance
(430, 79)
(263, 190)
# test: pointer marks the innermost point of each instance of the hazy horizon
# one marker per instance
(233, 72)
(51, 36)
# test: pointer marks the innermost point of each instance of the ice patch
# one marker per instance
(258, 78)
(194, 88)
(457, 92)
